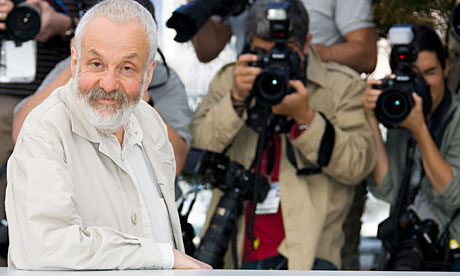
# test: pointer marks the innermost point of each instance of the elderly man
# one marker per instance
(90, 182)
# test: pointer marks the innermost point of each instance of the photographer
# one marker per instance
(427, 138)
(329, 136)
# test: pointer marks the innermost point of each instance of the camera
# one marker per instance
(23, 22)
(419, 247)
(454, 22)
(396, 102)
(237, 185)
(281, 64)
(188, 19)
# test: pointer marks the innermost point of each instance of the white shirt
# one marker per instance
(154, 214)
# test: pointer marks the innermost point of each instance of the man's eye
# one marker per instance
(97, 64)
(127, 68)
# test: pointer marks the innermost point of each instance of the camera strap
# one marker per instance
(438, 122)
(324, 154)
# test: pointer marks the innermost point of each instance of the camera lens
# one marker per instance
(393, 106)
(23, 22)
(271, 85)
(410, 257)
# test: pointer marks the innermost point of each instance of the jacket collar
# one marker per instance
(316, 68)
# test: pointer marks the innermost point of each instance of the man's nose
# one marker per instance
(109, 82)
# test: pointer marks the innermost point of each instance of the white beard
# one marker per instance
(106, 118)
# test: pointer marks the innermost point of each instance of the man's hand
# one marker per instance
(415, 121)
(244, 76)
(52, 22)
(5, 7)
(370, 97)
(295, 105)
(183, 261)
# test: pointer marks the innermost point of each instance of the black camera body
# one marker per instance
(278, 67)
(417, 246)
(396, 102)
(281, 64)
(188, 19)
(23, 22)
(237, 185)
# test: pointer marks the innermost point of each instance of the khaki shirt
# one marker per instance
(313, 206)
(69, 201)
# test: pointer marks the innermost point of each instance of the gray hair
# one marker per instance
(258, 25)
(120, 11)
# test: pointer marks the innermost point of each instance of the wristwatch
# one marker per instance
(304, 126)
(69, 34)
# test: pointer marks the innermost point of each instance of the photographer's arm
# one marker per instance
(217, 121)
(211, 40)
(437, 169)
(369, 101)
(359, 51)
(341, 138)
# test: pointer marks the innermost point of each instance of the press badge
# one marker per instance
(272, 202)
(18, 63)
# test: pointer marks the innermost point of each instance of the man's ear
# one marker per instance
(150, 70)
(73, 61)
(306, 46)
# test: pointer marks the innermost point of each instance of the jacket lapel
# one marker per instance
(160, 169)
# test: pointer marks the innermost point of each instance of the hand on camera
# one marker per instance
(52, 22)
(295, 105)
(244, 76)
(370, 96)
(5, 7)
(416, 119)
(184, 261)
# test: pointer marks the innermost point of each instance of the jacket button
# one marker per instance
(134, 218)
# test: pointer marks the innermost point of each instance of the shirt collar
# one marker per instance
(133, 135)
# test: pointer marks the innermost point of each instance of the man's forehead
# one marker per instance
(107, 29)
(102, 33)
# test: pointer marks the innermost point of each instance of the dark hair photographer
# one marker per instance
(303, 119)
(417, 165)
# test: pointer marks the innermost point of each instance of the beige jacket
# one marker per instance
(70, 203)
(313, 207)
